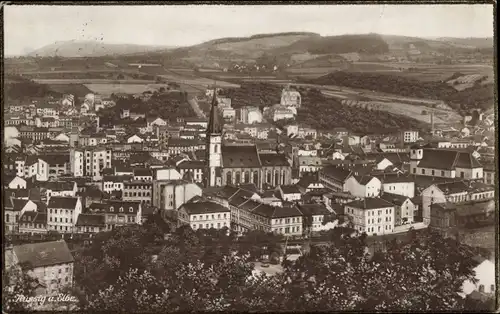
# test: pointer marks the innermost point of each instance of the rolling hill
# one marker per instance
(296, 48)
(75, 48)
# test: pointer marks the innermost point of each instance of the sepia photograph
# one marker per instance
(249, 157)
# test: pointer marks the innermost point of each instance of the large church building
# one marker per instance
(236, 164)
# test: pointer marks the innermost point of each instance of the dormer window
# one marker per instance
(121, 209)
(131, 209)
(111, 209)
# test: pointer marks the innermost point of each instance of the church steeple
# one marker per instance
(214, 123)
(213, 145)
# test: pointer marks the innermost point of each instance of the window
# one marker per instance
(442, 173)
(423, 171)
(481, 288)
(121, 209)
(111, 209)
(492, 288)
(462, 174)
(432, 172)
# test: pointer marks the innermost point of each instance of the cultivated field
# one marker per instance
(108, 89)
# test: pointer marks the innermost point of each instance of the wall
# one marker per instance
(214, 220)
(400, 188)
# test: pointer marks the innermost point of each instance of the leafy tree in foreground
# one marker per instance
(197, 271)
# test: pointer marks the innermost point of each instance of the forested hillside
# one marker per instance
(478, 96)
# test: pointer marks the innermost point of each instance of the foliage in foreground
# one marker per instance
(190, 272)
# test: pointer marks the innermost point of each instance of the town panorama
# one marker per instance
(315, 166)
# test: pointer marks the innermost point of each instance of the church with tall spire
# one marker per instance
(235, 164)
(214, 145)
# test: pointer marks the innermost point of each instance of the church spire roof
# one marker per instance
(214, 123)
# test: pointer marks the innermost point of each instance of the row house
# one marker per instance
(46, 122)
(374, 216)
(92, 139)
(233, 197)
(58, 188)
(90, 161)
(397, 184)
(34, 133)
(363, 186)
(114, 183)
(171, 194)
(335, 178)
(17, 120)
(313, 217)
(90, 223)
(309, 164)
(33, 222)
(62, 213)
(405, 209)
(118, 213)
(204, 215)
(143, 174)
(138, 191)
(14, 208)
(454, 193)
(59, 164)
(46, 109)
(14, 182)
(32, 167)
(287, 221)
(50, 263)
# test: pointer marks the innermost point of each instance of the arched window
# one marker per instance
(131, 209)
(247, 176)
(256, 178)
(238, 177)
(111, 209)
(229, 177)
(276, 178)
(268, 177)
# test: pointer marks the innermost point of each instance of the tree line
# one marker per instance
(154, 268)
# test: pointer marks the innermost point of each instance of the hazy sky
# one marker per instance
(31, 27)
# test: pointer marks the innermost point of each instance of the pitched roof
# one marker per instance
(309, 160)
(58, 185)
(273, 160)
(191, 164)
(15, 204)
(336, 173)
(143, 172)
(62, 202)
(307, 180)
(363, 180)
(115, 205)
(91, 220)
(395, 199)
(289, 189)
(34, 217)
(370, 203)
(43, 254)
(448, 159)
(394, 178)
(240, 156)
(453, 187)
(313, 209)
(204, 208)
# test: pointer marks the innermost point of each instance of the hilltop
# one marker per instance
(75, 48)
(293, 49)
